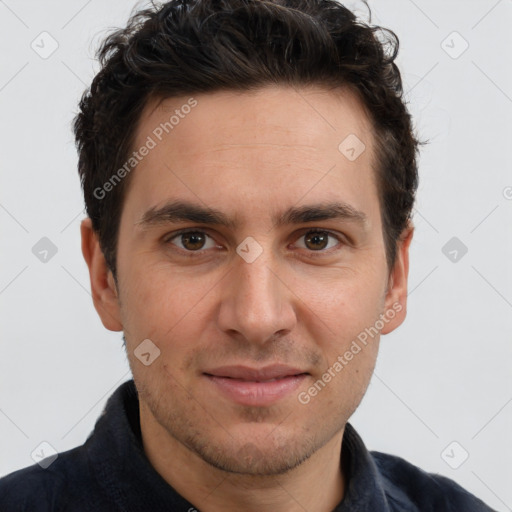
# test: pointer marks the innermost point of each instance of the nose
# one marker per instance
(256, 305)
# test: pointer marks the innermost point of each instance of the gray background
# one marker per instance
(443, 377)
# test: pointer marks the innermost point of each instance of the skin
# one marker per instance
(251, 155)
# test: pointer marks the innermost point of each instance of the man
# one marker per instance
(249, 171)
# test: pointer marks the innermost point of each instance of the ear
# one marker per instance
(396, 293)
(103, 288)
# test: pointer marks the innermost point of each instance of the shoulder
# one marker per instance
(18, 490)
(405, 483)
(65, 481)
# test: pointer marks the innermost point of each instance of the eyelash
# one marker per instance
(200, 252)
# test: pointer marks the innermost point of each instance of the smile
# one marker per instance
(255, 387)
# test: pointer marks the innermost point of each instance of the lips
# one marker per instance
(266, 374)
(255, 386)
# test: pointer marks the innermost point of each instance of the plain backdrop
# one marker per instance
(441, 396)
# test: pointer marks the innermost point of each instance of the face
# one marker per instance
(251, 254)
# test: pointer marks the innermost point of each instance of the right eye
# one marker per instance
(191, 240)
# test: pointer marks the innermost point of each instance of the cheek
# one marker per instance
(161, 303)
(345, 303)
(345, 311)
(173, 320)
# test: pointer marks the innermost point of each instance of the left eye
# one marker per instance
(318, 240)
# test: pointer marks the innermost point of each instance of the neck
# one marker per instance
(316, 485)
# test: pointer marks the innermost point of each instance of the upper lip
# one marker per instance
(274, 371)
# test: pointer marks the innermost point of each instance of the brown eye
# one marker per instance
(318, 240)
(192, 241)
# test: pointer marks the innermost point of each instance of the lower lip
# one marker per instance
(256, 393)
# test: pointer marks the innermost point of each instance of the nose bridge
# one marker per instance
(256, 285)
(256, 304)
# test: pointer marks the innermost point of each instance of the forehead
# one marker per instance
(311, 117)
(273, 139)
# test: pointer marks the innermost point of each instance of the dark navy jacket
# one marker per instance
(111, 473)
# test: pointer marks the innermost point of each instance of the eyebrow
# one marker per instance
(183, 211)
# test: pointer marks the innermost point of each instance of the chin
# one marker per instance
(262, 459)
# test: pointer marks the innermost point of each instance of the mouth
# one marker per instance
(255, 386)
